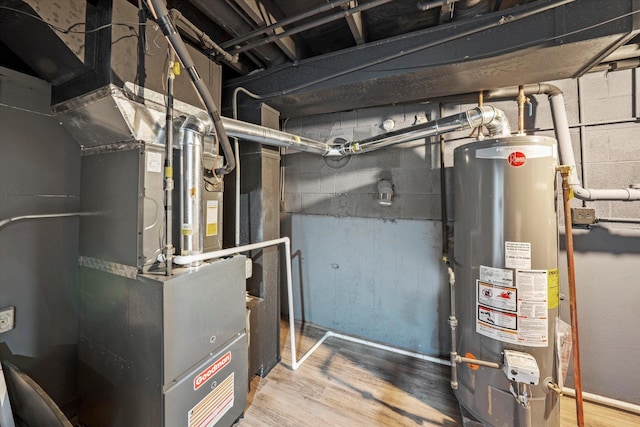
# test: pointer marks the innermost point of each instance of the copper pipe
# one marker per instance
(522, 99)
(565, 171)
(480, 104)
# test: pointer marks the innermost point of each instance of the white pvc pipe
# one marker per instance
(187, 259)
(561, 124)
(8, 221)
(236, 146)
(607, 401)
(295, 363)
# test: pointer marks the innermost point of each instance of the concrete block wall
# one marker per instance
(327, 187)
(605, 132)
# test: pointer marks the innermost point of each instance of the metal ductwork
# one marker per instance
(161, 14)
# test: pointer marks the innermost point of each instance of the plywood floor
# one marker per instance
(348, 384)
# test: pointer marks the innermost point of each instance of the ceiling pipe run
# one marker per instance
(276, 138)
(313, 24)
(493, 119)
(283, 22)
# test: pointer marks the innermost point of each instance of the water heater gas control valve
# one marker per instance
(521, 367)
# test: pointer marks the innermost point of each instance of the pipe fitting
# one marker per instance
(551, 387)
(453, 322)
(490, 117)
(200, 123)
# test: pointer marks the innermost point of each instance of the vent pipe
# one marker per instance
(192, 134)
(493, 119)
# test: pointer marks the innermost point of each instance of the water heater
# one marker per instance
(506, 289)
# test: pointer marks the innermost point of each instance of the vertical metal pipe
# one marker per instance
(583, 139)
(443, 192)
(168, 170)
(453, 324)
(191, 219)
(577, 376)
(521, 101)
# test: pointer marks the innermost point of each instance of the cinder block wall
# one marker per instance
(360, 271)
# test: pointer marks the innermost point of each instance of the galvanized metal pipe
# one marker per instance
(276, 138)
(488, 116)
(192, 134)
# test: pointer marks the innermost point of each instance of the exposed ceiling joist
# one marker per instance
(355, 24)
(543, 40)
(264, 13)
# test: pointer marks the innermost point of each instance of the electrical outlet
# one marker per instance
(7, 319)
(583, 216)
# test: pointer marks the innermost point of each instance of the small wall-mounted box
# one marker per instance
(583, 216)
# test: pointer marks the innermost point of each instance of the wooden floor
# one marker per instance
(348, 384)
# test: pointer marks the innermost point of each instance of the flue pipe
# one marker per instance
(192, 134)
(494, 119)
(276, 138)
(159, 11)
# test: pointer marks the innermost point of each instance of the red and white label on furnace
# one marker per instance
(517, 158)
(211, 370)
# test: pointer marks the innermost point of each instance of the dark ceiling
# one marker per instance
(318, 56)
(316, 27)
(321, 56)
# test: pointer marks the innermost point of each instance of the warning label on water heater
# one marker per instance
(517, 255)
(514, 313)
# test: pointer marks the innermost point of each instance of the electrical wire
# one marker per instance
(70, 30)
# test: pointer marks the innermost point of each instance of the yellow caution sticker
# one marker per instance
(553, 282)
(168, 172)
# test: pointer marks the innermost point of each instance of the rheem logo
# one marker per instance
(517, 158)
